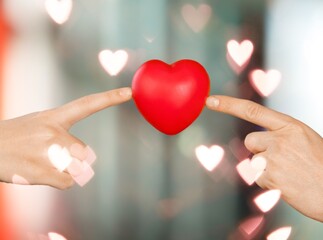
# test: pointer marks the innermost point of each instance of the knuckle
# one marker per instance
(253, 111)
(296, 128)
(299, 127)
(85, 101)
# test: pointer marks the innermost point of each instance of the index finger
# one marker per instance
(249, 111)
(81, 108)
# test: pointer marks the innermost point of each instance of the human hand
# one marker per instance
(25, 142)
(293, 153)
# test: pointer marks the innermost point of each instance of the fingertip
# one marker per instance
(212, 102)
(125, 92)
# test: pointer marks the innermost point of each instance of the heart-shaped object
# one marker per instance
(209, 157)
(17, 179)
(81, 172)
(265, 83)
(196, 18)
(59, 157)
(282, 233)
(240, 52)
(251, 226)
(55, 236)
(113, 62)
(170, 97)
(267, 200)
(59, 10)
(251, 170)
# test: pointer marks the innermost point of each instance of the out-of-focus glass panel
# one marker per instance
(294, 46)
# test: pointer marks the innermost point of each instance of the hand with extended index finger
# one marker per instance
(292, 150)
(38, 148)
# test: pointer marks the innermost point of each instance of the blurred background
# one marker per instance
(148, 185)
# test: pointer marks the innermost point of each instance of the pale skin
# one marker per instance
(25, 140)
(293, 151)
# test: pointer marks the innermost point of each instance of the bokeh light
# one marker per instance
(59, 10)
(265, 83)
(113, 62)
(267, 200)
(280, 234)
(209, 157)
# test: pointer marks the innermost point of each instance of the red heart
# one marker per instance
(170, 97)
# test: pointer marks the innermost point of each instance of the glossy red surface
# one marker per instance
(170, 97)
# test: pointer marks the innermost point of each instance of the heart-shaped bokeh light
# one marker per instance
(280, 234)
(265, 83)
(17, 179)
(59, 10)
(113, 62)
(240, 52)
(62, 159)
(81, 172)
(251, 226)
(83, 153)
(267, 200)
(209, 157)
(55, 236)
(250, 171)
(196, 18)
(59, 157)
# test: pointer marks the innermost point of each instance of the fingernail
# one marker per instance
(91, 156)
(125, 92)
(212, 102)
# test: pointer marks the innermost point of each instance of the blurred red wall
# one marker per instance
(6, 232)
